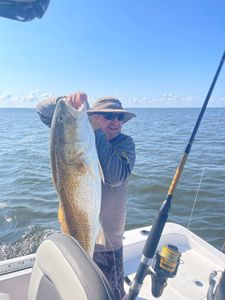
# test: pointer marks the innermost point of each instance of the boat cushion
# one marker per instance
(63, 271)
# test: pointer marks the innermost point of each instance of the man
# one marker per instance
(116, 153)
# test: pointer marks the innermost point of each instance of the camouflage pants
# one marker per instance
(111, 264)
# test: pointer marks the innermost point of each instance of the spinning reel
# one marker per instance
(165, 266)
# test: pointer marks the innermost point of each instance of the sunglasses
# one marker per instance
(113, 116)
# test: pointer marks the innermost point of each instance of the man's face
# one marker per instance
(110, 123)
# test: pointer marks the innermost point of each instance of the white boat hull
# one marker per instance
(198, 260)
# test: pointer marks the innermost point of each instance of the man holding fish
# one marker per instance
(78, 171)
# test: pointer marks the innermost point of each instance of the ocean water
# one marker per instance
(28, 201)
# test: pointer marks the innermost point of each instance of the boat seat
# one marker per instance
(63, 271)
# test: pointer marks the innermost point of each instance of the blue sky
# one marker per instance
(147, 53)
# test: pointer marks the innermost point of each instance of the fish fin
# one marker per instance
(90, 169)
(101, 236)
(101, 172)
(62, 219)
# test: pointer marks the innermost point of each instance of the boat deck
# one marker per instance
(198, 259)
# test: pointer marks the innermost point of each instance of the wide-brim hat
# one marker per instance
(112, 105)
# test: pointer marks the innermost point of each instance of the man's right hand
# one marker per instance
(77, 99)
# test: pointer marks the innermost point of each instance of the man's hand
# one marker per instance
(77, 99)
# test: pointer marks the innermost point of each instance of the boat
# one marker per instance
(200, 265)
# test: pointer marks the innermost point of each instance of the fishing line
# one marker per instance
(114, 258)
(203, 170)
(195, 201)
(199, 185)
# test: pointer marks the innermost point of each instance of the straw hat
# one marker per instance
(112, 105)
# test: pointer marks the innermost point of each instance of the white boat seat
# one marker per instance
(4, 296)
(63, 271)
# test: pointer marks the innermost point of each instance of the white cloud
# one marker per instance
(164, 100)
(7, 99)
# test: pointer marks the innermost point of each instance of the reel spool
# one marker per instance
(165, 266)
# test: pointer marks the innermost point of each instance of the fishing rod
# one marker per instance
(166, 268)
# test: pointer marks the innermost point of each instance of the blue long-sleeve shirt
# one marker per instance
(117, 158)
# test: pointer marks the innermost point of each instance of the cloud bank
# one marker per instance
(30, 100)
(7, 99)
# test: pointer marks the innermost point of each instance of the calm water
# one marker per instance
(28, 201)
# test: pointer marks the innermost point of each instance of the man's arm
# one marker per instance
(117, 161)
(45, 110)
